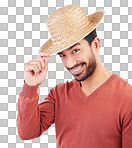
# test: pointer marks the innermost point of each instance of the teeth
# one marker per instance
(77, 69)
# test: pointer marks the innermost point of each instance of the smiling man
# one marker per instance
(94, 110)
(73, 60)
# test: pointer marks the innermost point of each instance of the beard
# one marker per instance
(88, 71)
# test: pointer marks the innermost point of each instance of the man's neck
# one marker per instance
(99, 76)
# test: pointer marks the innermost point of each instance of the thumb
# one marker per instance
(46, 59)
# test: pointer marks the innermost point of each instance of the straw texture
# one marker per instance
(67, 26)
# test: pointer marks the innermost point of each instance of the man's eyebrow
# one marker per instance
(69, 48)
(74, 45)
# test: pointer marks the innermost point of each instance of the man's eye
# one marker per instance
(62, 55)
(76, 50)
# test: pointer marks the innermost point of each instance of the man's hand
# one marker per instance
(35, 70)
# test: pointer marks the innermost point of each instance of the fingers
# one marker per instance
(43, 54)
(45, 57)
(39, 64)
(46, 62)
(30, 67)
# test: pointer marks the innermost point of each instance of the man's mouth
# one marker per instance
(77, 70)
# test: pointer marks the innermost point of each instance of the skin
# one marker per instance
(35, 70)
(92, 73)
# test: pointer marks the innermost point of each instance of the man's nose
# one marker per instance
(71, 62)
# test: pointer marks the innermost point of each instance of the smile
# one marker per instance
(76, 70)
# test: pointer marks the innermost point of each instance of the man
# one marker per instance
(92, 111)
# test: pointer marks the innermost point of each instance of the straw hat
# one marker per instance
(67, 26)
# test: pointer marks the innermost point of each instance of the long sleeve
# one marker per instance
(33, 118)
(126, 116)
(127, 124)
(127, 133)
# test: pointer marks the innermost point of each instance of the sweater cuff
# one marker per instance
(29, 91)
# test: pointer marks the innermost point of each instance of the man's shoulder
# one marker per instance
(62, 88)
(123, 87)
(123, 93)
(122, 83)
(65, 85)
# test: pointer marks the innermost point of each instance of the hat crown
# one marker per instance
(67, 26)
(65, 22)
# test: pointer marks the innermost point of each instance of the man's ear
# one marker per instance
(96, 43)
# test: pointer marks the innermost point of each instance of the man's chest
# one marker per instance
(97, 115)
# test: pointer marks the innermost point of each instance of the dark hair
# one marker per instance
(90, 37)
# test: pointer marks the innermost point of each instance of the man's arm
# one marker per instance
(126, 116)
(127, 132)
(33, 118)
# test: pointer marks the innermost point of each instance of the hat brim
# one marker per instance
(95, 18)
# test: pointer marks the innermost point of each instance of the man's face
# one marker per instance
(80, 60)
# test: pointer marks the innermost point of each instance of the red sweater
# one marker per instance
(101, 120)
